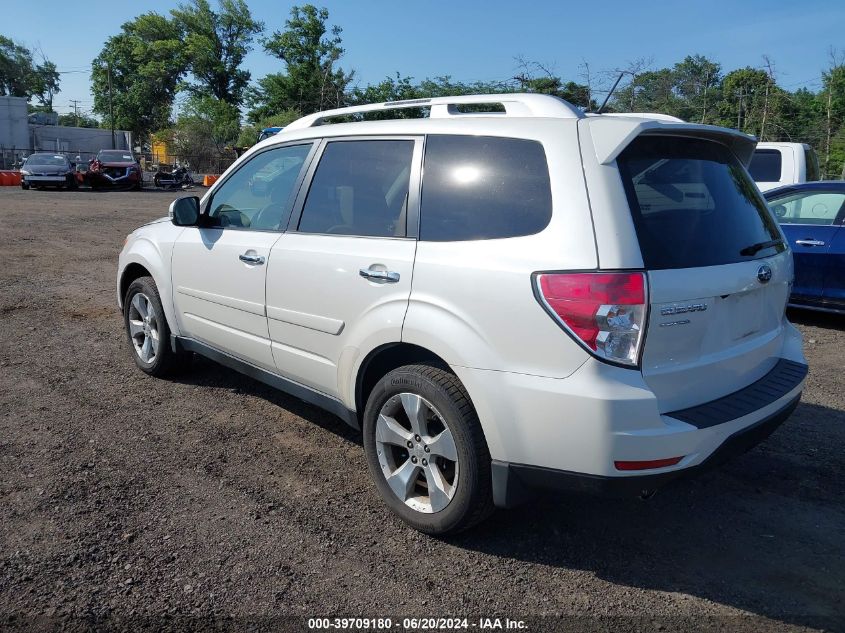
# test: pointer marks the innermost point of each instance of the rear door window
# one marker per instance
(482, 187)
(820, 208)
(693, 204)
(766, 165)
(360, 188)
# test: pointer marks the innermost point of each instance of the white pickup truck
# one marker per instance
(778, 164)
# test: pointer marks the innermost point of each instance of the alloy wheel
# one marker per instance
(143, 327)
(417, 453)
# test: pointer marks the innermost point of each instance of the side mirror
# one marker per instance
(185, 211)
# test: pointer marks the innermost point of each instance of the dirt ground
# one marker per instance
(214, 499)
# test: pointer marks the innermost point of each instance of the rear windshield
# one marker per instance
(766, 165)
(694, 205)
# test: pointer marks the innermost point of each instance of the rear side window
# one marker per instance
(693, 204)
(812, 160)
(483, 187)
(360, 188)
(766, 165)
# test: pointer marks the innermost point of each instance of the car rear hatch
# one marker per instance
(718, 269)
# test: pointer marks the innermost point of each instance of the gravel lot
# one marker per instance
(213, 498)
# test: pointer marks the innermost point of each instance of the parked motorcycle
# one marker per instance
(179, 177)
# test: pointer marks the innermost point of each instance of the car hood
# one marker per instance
(158, 221)
(46, 169)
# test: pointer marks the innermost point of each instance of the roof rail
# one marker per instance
(515, 105)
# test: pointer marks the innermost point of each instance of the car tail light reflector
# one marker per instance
(606, 312)
(647, 465)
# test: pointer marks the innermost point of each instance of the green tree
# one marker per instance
(832, 102)
(249, 133)
(20, 76)
(312, 81)
(215, 45)
(744, 99)
(697, 85)
(145, 62)
(650, 91)
(45, 83)
(78, 120)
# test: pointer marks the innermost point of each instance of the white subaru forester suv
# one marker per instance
(506, 296)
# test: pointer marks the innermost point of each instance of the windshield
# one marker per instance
(114, 155)
(43, 160)
(693, 204)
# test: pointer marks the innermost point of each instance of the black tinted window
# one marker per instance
(765, 165)
(812, 160)
(360, 188)
(482, 187)
(693, 204)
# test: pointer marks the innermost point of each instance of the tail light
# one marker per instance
(606, 312)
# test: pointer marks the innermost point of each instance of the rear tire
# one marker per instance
(147, 331)
(420, 453)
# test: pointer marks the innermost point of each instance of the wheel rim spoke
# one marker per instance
(136, 327)
(443, 445)
(415, 409)
(143, 327)
(146, 349)
(389, 431)
(439, 491)
(140, 305)
(403, 479)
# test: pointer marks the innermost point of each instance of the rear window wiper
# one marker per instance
(748, 251)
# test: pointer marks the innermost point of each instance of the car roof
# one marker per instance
(818, 185)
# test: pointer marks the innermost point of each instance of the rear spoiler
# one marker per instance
(611, 135)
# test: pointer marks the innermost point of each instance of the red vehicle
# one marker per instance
(114, 168)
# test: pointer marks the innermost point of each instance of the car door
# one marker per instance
(834, 277)
(808, 220)
(219, 267)
(339, 279)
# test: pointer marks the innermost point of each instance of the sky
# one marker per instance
(481, 40)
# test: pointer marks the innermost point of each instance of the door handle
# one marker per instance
(809, 242)
(251, 259)
(387, 276)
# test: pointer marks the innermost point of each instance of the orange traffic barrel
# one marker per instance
(16, 176)
(5, 179)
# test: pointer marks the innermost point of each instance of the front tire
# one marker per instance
(426, 451)
(24, 186)
(148, 333)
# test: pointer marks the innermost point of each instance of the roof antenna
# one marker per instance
(607, 98)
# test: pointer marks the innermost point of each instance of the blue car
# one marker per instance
(811, 216)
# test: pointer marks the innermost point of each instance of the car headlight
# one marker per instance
(24, 172)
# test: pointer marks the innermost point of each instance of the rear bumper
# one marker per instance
(514, 483)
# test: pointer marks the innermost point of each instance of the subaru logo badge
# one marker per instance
(764, 274)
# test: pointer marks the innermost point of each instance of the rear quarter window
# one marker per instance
(766, 165)
(482, 187)
(693, 204)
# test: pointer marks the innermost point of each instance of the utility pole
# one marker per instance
(75, 103)
(111, 105)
